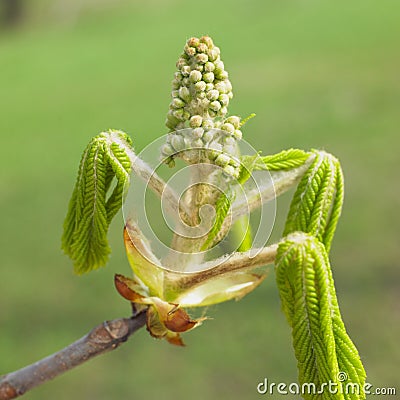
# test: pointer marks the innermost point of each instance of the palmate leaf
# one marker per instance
(90, 212)
(321, 344)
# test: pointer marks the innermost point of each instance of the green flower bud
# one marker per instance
(231, 171)
(170, 162)
(175, 93)
(195, 76)
(186, 81)
(176, 84)
(195, 121)
(213, 54)
(208, 77)
(193, 42)
(201, 95)
(217, 125)
(234, 161)
(215, 106)
(198, 132)
(223, 111)
(202, 48)
(178, 114)
(200, 86)
(207, 40)
(201, 58)
(212, 113)
(208, 136)
(184, 93)
(181, 63)
(234, 120)
(185, 70)
(229, 141)
(216, 146)
(171, 117)
(219, 66)
(207, 124)
(209, 86)
(178, 76)
(190, 51)
(204, 103)
(227, 127)
(209, 67)
(177, 142)
(220, 86)
(221, 75)
(177, 103)
(222, 160)
(237, 134)
(200, 68)
(186, 115)
(167, 149)
(212, 95)
(188, 142)
(169, 124)
(224, 99)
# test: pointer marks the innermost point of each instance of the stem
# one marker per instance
(104, 337)
(155, 182)
(186, 242)
(281, 182)
(237, 261)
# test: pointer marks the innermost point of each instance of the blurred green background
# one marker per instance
(318, 74)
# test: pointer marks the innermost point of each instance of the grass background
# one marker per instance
(318, 74)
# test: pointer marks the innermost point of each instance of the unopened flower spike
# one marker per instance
(197, 116)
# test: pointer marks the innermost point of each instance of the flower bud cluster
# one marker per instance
(200, 86)
(217, 143)
(200, 98)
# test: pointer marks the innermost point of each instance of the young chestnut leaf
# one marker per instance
(90, 212)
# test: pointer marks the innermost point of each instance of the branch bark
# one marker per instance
(104, 337)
